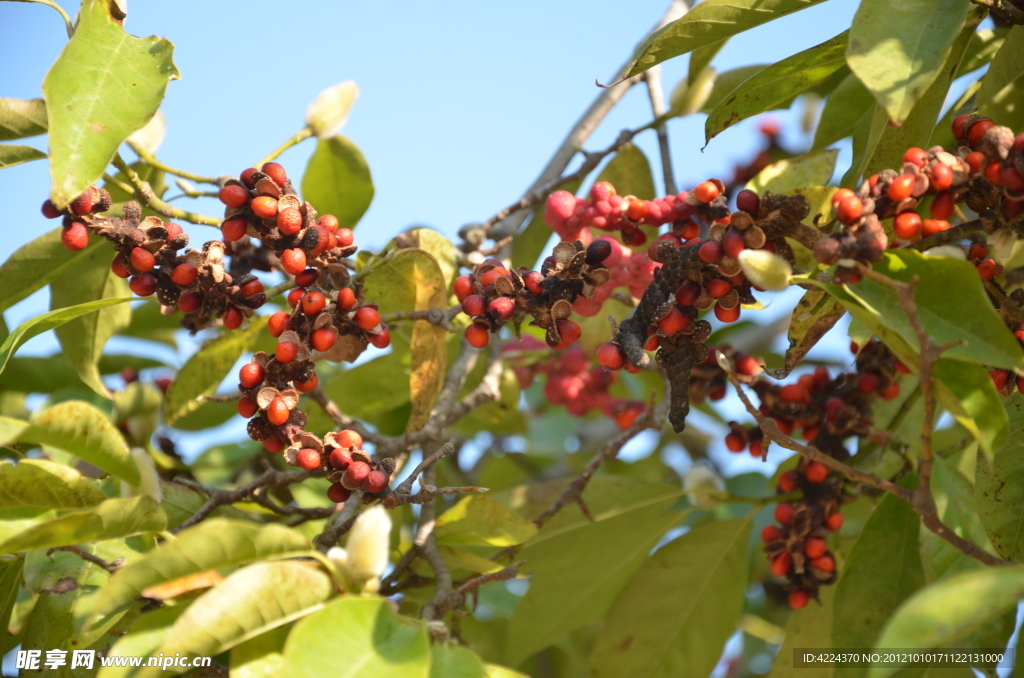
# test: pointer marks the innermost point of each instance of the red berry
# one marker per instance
(233, 318)
(718, 288)
(477, 335)
(173, 231)
(816, 472)
(295, 296)
(748, 201)
(907, 225)
(329, 221)
(314, 302)
(246, 177)
(788, 482)
(636, 210)
(346, 298)
(727, 315)
(502, 308)
(930, 227)
(687, 294)
(892, 392)
(784, 513)
(307, 386)
(274, 445)
(345, 237)
(50, 210)
(900, 367)
(246, 407)
(118, 267)
(902, 187)
(824, 563)
(337, 493)
(323, 339)
(75, 237)
(674, 322)
(381, 340)
(794, 393)
(233, 195)
(994, 172)
(798, 599)
(251, 288)
(286, 351)
(184, 275)
(289, 221)
(532, 281)
(975, 160)
(834, 521)
(978, 130)
(277, 411)
(142, 260)
(771, 533)
(710, 252)
(308, 459)
(999, 378)
(652, 343)
(264, 207)
(83, 204)
(190, 301)
(463, 287)
(366, 317)
(918, 156)
(833, 406)
(276, 172)
(706, 191)
(815, 547)
(755, 448)
(569, 331)
(376, 481)
(143, 285)
(781, 564)
(942, 206)
(610, 356)
(357, 472)
(733, 243)
(233, 229)
(941, 177)
(341, 458)
(987, 269)
(251, 375)
(958, 125)
(307, 277)
(293, 261)
(849, 209)
(735, 443)
(349, 438)
(868, 382)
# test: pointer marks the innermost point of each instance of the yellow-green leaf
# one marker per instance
(482, 521)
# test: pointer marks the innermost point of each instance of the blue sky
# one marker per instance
(461, 103)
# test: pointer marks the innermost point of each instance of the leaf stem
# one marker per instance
(300, 136)
(151, 160)
(67, 20)
(144, 192)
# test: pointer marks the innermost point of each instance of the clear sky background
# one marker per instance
(461, 103)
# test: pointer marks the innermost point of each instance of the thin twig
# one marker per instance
(341, 524)
(144, 192)
(441, 599)
(344, 421)
(435, 316)
(152, 161)
(405, 487)
(299, 136)
(218, 498)
(85, 555)
(657, 96)
(1004, 9)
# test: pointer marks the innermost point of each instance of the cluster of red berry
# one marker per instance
(628, 268)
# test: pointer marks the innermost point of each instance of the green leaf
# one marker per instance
(209, 414)
(20, 118)
(180, 503)
(455, 662)
(213, 544)
(785, 176)
(579, 568)
(112, 519)
(412, 281)
(13, 154)
(866, 135)
(999, 487)
(86, 432)
(10, 429)
(815, 314)
(371, 639)
(53, 373)
(482, 521)
(207, 368)
(11, 571)
(776, 84)
(82, 339)
(843, 108)
(260, 657)
(950, 610)
(954, 501)
(883, 570)
(149, 323)
(337, 180)
(37, 482)
(35, 264)
(727, 82)
(985, 44)
(372, 388)
(146, 636)
(630, 173)
(897, 50)
(250, 602)
(709, 22)
(702, 57)
(104, 85)
(694, 588)
(919, 125)
(1006, 68)
(947, 290)
(809, 627)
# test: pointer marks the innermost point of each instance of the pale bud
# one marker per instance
(947, 252)
(368, 546)
(1000, 244)
(184, 185)
(338, 557)
(687, 99)
(766, 270)
(149, 479)
(700, 482)
(329, 111)
(151, 135)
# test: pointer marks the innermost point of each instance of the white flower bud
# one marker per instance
(151, 135)
(367, 548)
(1000, 244)
(149, 483)
(338, 557)
(701, 477)
(329, 111)
(766, 270)
(946, 251)
(687, 99)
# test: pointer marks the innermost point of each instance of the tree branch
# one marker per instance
(1004, 9)
(218, 498)
(435, 316)
(111, 567)
(657, 96)
(144, 192)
